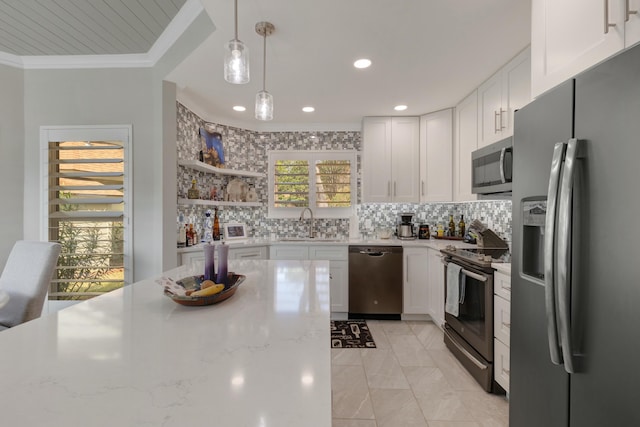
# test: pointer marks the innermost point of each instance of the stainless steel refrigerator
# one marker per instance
(575, 303)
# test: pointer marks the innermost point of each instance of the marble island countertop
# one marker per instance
(133, 357)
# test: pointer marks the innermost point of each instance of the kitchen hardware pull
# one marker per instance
(464, 351)
(380, 253)
(495, 121)
(388, 188)
(501, 125)
(473, 275)
(503, 156)
(395, 193)
(468, 273)
(422, 182)
(564, 251)
(628, 12)
(607, 25)
(549, 253)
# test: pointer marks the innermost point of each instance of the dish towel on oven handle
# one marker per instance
(453, 289)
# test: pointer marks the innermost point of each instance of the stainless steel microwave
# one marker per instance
(492, 168)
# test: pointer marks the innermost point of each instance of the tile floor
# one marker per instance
(409, 380)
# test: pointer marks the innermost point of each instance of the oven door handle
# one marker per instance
(473, 275)
(468, 273)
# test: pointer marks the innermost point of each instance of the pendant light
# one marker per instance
(236, 58)
(264, 100)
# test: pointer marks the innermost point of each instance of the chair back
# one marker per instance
(26, 277)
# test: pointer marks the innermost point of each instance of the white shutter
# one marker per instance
(86, 210)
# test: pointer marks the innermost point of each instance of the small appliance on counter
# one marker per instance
(404, 227)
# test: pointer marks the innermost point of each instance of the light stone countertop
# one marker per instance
(133, 357)
(502, 267)
(415, 243)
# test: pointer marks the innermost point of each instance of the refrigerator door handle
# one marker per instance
(549, 253)
(565, 220)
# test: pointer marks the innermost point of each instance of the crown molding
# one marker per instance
(178, 25)
(11, 60)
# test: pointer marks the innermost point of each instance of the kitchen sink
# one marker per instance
(309, 239)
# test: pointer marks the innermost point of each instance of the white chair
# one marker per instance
(26, 278)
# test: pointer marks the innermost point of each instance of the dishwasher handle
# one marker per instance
(374, 254)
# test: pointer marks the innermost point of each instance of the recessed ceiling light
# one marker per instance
(239, 108)
(400, 107)
(308, 109)
(362, 63)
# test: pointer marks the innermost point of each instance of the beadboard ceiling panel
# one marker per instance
(83, 27)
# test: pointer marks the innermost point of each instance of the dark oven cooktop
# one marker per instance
(482, 257)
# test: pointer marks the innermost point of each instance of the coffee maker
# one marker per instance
(404, 226)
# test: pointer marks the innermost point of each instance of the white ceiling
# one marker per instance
(427, 54)
(83, 27)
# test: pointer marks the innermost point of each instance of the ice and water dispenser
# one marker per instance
(533, 220)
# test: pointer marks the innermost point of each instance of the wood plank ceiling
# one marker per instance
(83, 27)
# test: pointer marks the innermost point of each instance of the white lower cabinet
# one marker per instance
(436, 287)
(337, 255)
(415, 294)
(252, 252)
(501, 328)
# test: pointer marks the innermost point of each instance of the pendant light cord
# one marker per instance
(264, 62)
(236, 15)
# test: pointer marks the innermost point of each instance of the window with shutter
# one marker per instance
(324, 181)
(86, 212)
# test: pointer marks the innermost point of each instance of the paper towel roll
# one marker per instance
(354, 227)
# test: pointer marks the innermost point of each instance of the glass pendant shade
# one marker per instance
(236, 62)
(264, 105)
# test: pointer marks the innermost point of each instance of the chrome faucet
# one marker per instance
(311, 232)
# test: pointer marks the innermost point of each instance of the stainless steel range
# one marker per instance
(468, 328)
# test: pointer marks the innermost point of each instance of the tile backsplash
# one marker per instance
(247, 150)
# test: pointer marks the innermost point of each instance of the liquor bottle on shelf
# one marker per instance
(452, 226)
(216, 226)
(461, 226)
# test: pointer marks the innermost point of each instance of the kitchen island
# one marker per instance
(134, 357)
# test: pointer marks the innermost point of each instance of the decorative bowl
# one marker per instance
(193, 282)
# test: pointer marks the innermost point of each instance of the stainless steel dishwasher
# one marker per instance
(375, 282)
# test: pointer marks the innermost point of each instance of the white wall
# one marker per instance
(11, 158)
(95, 97)
(117, 96)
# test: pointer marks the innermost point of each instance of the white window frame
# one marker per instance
(90, 133)
(311, 156)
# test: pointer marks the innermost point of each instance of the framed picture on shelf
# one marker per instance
(212, 152)
(234, 231)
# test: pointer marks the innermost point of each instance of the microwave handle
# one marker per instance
(503, 157)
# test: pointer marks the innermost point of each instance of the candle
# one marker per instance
(223, 254)
(209, 263)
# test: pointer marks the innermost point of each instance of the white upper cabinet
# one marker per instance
(502, 94)
(390, 159)
(436, 157)
(569, 36)
(465, 142)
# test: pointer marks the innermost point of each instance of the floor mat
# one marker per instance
(351, 334)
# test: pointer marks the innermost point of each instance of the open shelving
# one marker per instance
(203, 167)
